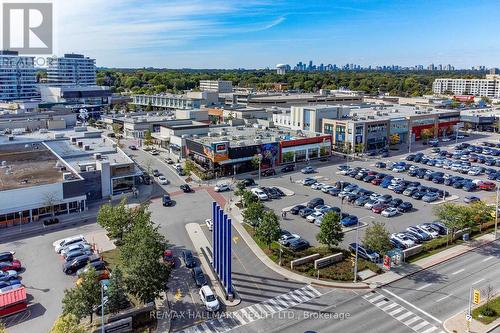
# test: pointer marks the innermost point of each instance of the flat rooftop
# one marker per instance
(292, 97)
(385, 112)
(240, 136)
(26, 165)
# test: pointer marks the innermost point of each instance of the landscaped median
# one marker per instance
(342, 270)
(488, 312)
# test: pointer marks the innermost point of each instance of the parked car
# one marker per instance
(317, 186)
(349, 220)
(286, 239)
(307, 169)
(304, 212)
(379, 207)
(210, 224)
(313, 216)
(419, 233)
(299, 245)
(295, 209)
(97, 265)
(132, 147)
(471, 199)
(8, 275)
(13, 265)
(259, 193)
(428, 229)
(80, 246)
(405, 207)
(7, 256)
(315, 202)
(59, 244)
(248, 182)
(389, 212)
(168, 257)
(430, 197)
(188, 258)
(198, 276)
(72, 266)
(209, 299)
(364, 253)
(308, 181)
(268, 172)
(403, 239)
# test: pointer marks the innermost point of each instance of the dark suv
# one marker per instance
(72, 266)
(315, 202)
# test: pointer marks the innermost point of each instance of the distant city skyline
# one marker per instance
(262, 33)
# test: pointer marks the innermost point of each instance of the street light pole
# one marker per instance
(260, 161)
(357, 245)
(496, 215)
(102, 308)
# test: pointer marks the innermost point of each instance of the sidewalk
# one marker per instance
(200, 242)
(458, 324)
(67, 221)
(374, 282)
(428, 262)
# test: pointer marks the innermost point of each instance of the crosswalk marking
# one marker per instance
(254, 312)
(401, 314)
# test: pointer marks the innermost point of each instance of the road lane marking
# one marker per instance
(429, 330)
(486, 259)
(376, 298)
(390, 306)
(480, 280)
(424, 286)
(459, 271)
(420, 326)
(413, 306)
(443, 298)
(412, 320)
(379, 304)
(395, 312)
(404, 315)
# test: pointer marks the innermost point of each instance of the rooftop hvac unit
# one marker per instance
(42, 130)
(86, 147)
(97, 156)
(80, 144)
(67, 176)
(90, 168)
(258, 141)
(195, 136)
(183, 136)
(11, 138)
(58, 135)
(73, 141)
(80, 128)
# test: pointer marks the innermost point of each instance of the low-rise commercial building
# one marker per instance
(302, 99)
(309, 118)
(485, 119)
(95, 95)
(167, 101)
(233, 150)
(50, 173)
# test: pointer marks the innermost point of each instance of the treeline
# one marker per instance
(152, 81)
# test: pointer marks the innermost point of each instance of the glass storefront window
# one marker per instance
(123, 184)
(300, 155)
(313, 153)
(287, 157)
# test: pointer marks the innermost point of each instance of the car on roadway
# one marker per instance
(162, 180)
(209, 224)
(221, 188)
(166, 200)
(308, 181)
(364, 252)
(299, 245)
(389, 212)
(186, 188)
(260, 194)
(209, 299)
(156, 173)
(168, 160)
(288, 168)
(349, 220)
(286, 239)
(154, 152)
(307, 169)
(132, 147)
(188, 258)
(198, 276)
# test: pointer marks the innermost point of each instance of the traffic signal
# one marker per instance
(477, 296)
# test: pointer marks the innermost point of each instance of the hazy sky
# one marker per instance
(262, 33)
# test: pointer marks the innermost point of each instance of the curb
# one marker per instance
(282, 271)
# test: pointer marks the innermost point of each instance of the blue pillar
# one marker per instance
(229, 287)
(220, 242)
(214, 232)
(217, 239)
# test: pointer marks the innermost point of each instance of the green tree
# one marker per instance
(377, 238)
(145, 275)
(268, 230)
(253, 213)
(481, 213)
(66, 324)
(248, 198)
(240, 189)
(455, 217)
(116, 219)
(330, 232)
(81, 300)
(117, 296)
(426, 134)
(117, 129)
(149, 108)
(148, 138)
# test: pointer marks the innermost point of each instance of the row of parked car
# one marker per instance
(460, 161)
(79, 256)
(439, 177)
(418, 234)
(207, 296)
(10, 268)
(267, 193)
(293, 241)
